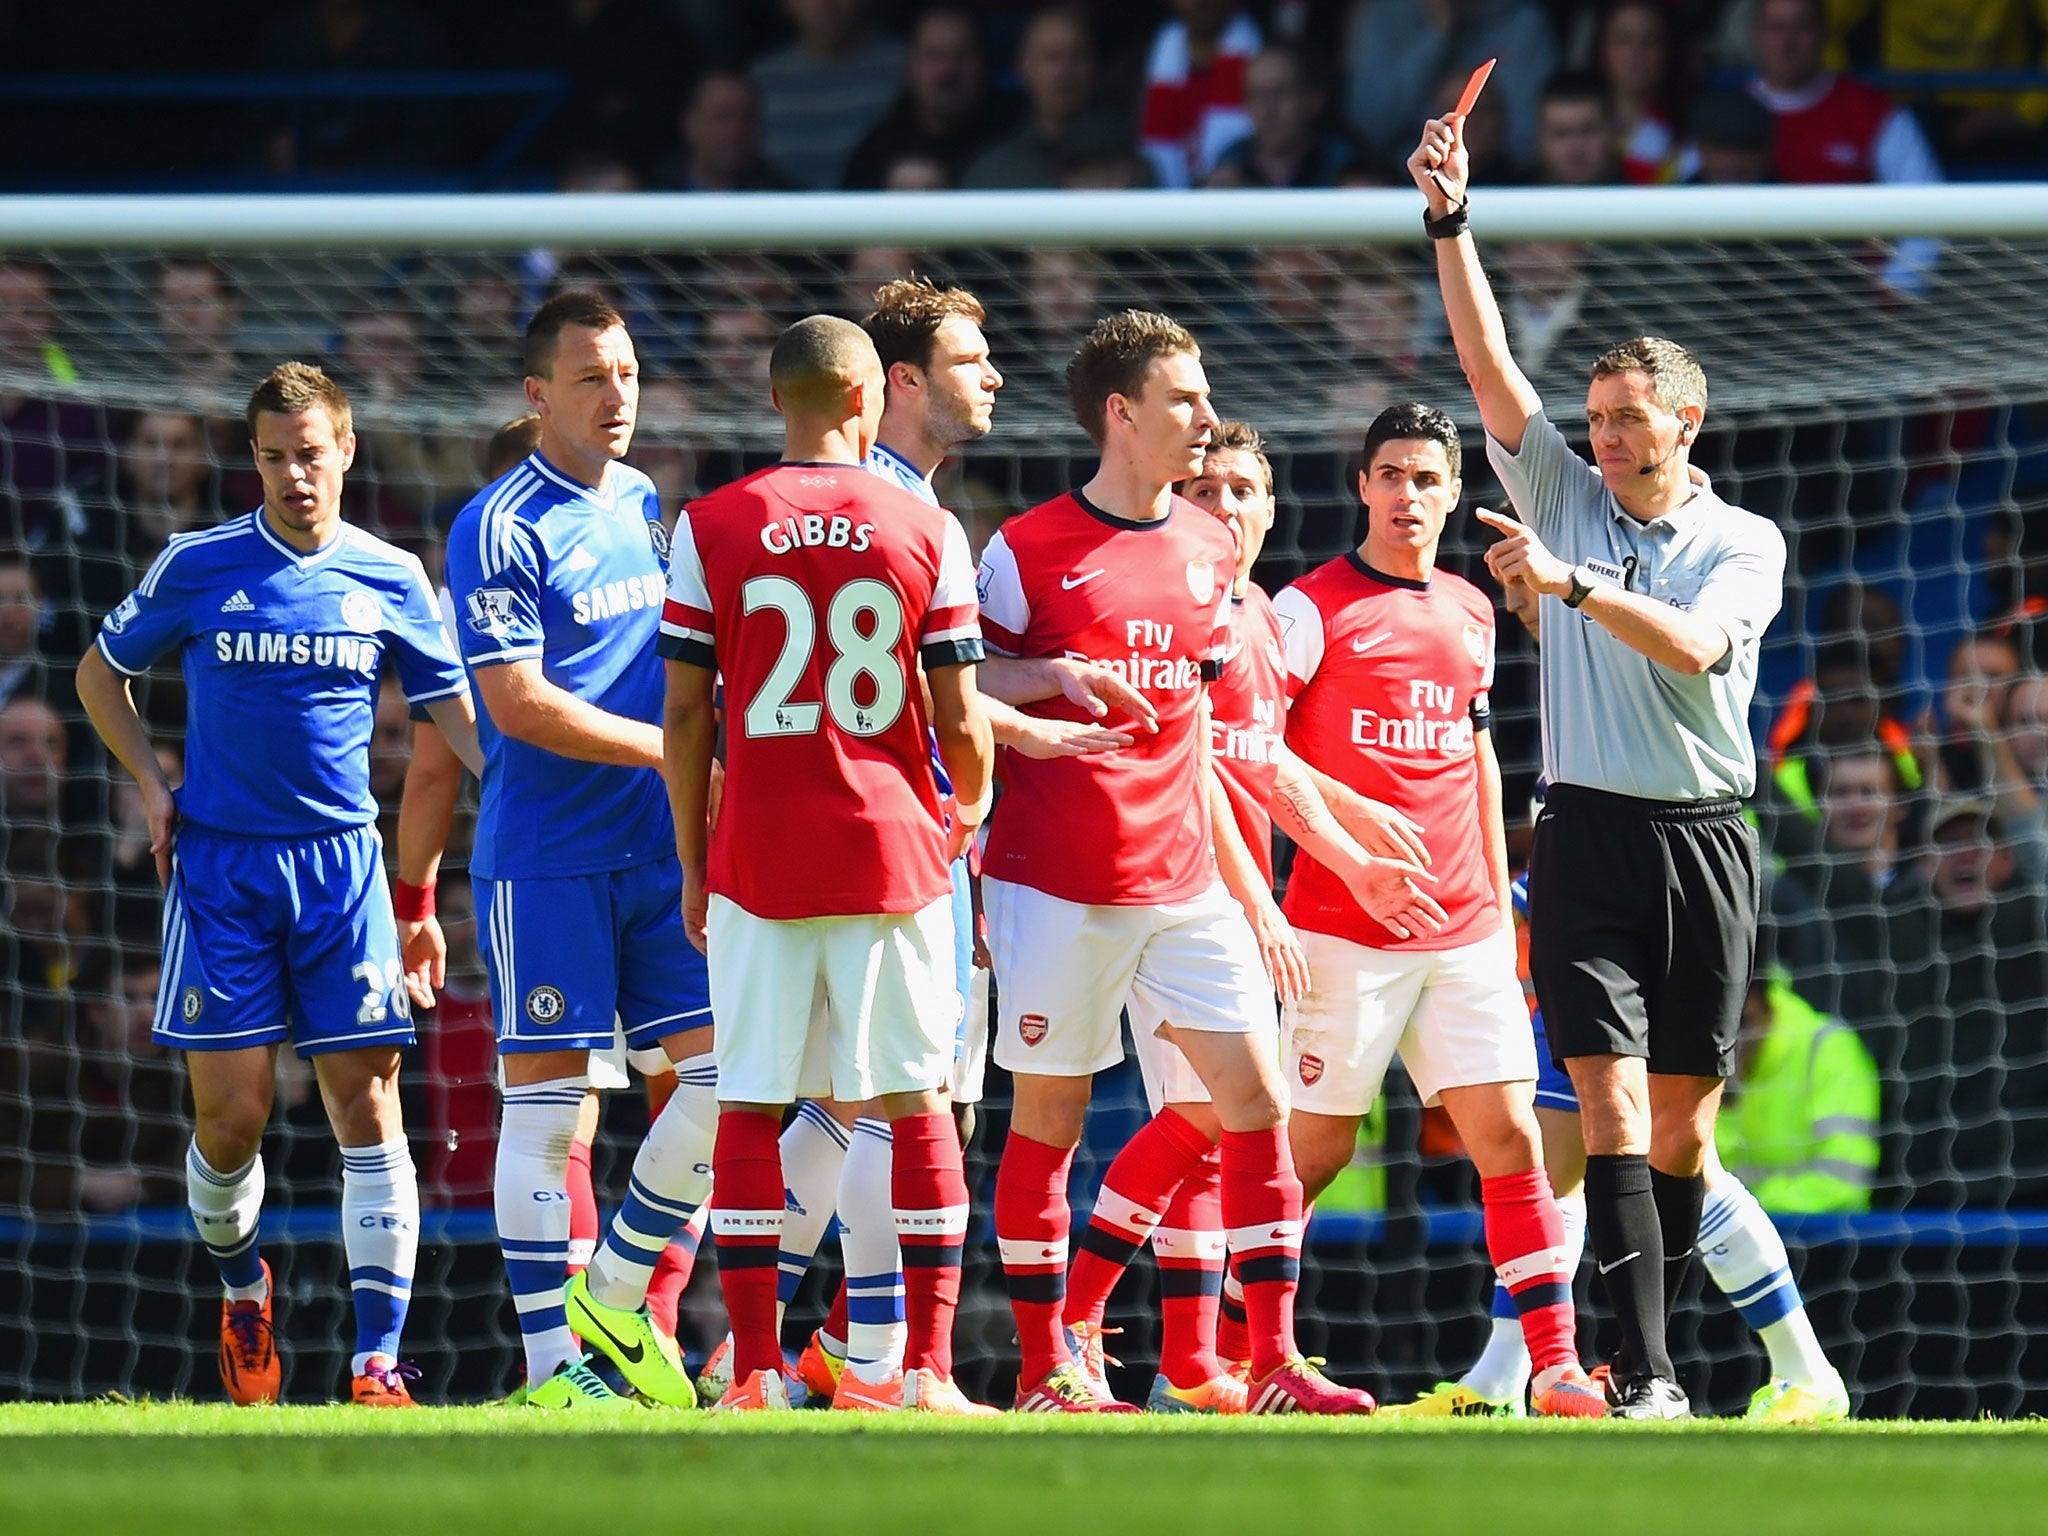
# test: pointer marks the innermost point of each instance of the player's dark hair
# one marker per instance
(907, 315)
(1676, 377)
(1576, 85)
(1112, 360)
(1414, 422)
(573, 306)
(295, 387)
(1821, 761)
(509, 444)
(1242, 437)
(816, 362)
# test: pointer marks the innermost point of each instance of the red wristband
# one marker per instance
(412, 903)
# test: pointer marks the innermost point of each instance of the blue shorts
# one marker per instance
(1554, 1088)
(267, 941)
(570, 955)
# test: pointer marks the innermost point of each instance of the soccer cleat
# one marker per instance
(1085, 1340)
(1223, 1394)
(716, 1376)
(249, 1366)
(1777, 1401)
(761, 1392)
(1453, 1400)
(1296, 1386)
(575, 1386)
(819, 1369)
(856, 1394)
(1649, 1397)
(1066, 1390)
(1574, 1395)
(383, 1384)
(1602, 1376)
(926, 1391)
(643, 1354)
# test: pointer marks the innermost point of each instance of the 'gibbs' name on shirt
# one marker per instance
(1150, 674)
(1419, 731)
(814, 530)
(276, 647)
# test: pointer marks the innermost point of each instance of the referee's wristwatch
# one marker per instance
(1581, 588)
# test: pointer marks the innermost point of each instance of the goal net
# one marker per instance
(1879, 393)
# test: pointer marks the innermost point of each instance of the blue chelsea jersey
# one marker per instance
(543, 569)
(282, 652)
(897, 470)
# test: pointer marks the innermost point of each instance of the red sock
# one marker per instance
(1525, 1240)
(1135, 1190)
(1262, 1212)
(1188, 1244)
(1032, 1221)
(583, 1224)
(1233, 1338)
(672, 1273)
(746, 1225)
(835, 1321)
(928, 1189)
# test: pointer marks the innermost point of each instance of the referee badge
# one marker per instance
(190, 1005)
(546, 1005)
(1201, 580)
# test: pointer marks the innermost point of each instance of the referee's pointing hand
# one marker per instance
(1520, 556)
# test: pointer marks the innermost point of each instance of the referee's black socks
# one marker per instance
(1628, 1249)
(1680, 1198)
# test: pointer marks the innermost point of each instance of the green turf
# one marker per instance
(166, 1468)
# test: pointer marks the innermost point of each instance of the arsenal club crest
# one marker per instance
(1311, 1070)
(1201, 580)
(1475, 644)
(1032, 1027)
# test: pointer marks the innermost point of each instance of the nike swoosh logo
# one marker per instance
(1364, 643)
(1608, 1269)
(1068, 583)
(629, 1354)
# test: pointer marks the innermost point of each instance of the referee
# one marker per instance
(1643, 879)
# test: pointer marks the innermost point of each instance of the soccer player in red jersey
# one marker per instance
(1389, 661)
(1100, 878)
(818, 591)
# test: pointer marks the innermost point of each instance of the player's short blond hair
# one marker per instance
(1242, 437)
(817, 361)
(295, 387)
(907, 315)
(511, 443)
(1676, 377)
(1112, 360)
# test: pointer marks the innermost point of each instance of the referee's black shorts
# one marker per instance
(1642, 927)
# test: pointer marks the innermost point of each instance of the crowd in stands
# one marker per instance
(1898, 1050)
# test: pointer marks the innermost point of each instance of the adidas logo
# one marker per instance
(239, 603)
(580, 559)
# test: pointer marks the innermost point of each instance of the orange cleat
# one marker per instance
(760, 1392)
(926, 1391)
(1574, 1395)
(382, 1384)
(249, 1366)
(856, 1395)
(1220, 1394)
(819, 1369)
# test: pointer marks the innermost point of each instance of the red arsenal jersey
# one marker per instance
(815, 590)
(1246, 710)
(1390, 681)
(1149, 600)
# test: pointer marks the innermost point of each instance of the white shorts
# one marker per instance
(1456, 1016)
(1065, 972)
(608, 1066)
(832, 1007)
(970, 1056)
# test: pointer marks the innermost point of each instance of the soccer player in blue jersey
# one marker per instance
(558, 571)
(277, 920)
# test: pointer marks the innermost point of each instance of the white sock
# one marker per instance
(531, 1196)
(875, 1334)
(380, 1234)
(671, 1181)
(1746, 1258)
(227, 1208)
(813, 1153)
(1501, 1373)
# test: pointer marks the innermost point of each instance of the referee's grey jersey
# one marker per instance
(1612, 718)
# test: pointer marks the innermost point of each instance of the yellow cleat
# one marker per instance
(1777, 1401)
(819, 1369)
(1451, 1400)
(643, 1354)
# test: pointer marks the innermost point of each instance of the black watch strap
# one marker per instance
(1451, 225)
(1581, 588)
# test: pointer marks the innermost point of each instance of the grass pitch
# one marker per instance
(174, 1467)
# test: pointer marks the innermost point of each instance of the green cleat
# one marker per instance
(576, 1386)
(1777, 1401)
(1452, 1400)
(644, 1355)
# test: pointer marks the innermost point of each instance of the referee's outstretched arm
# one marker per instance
(1507, 400)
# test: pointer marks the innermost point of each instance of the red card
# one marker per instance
(1469, 97)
